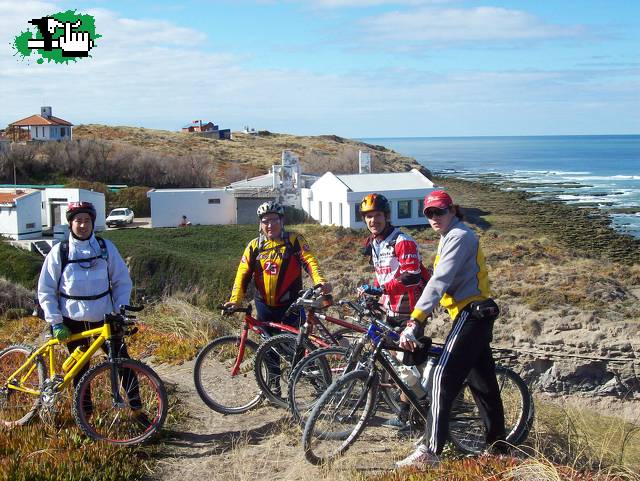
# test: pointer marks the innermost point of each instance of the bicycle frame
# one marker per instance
(102, 334)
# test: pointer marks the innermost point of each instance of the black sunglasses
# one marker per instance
(435, 212)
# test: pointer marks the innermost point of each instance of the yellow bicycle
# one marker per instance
(120, 401)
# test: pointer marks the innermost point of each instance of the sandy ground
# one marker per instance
(259, 444)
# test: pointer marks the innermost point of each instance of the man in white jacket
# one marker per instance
(81, 280)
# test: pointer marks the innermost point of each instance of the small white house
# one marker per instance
(41, 127)
(201, 206)
(54, 206)
(20, 214)
(335, 199)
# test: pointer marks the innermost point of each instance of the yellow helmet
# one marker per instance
(373, 202)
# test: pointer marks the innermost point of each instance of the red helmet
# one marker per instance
(75, 208)
(373, 202)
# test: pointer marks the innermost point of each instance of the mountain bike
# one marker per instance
(224, 369)
(278, 356)
(120, 401)
(313, 374)
(347, 406)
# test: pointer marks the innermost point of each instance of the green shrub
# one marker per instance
(135, 198)
(297, 216)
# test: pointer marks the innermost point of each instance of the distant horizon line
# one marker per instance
(495, 136)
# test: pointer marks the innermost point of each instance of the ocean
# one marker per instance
(589, 170)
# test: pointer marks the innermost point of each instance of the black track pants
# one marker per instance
(466, 353)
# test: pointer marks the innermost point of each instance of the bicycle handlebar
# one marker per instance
(227, 311)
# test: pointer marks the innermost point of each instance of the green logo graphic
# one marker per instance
(59, 37)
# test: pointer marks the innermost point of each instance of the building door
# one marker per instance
(56, 214)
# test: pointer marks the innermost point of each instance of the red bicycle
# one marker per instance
(224, 368)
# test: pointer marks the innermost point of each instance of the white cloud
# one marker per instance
(439, 26)
(161, 75)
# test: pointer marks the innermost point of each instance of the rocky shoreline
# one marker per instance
(585, 231)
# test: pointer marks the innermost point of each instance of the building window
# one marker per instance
(358, 214)
(62, 131)
(320, 211)
(404, 209)
(420, 204)
(340, 214)
(214, 201)
(31, 225)
(330, 212)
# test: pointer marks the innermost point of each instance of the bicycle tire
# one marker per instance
(466, 428)
(125, 425)
(18, 408)
(321, 444)
(283, 348)
(215, 385)
(311, 377)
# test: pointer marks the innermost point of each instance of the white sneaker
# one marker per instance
(420, 458)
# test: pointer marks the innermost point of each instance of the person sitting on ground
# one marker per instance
(184, 222)
(275, 261)
(460, 283)
(399, 279)
(82, 279)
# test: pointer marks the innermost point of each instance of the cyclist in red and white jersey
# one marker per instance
(400, 276)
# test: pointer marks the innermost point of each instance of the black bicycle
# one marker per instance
(313, 374)
(347, 406)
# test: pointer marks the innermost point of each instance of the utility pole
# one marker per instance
(15, 178)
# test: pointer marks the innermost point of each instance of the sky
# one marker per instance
(354, 68)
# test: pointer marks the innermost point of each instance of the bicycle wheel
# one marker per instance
(17, 407)
(466, 427)
(138, 415)
(311, 377)
(518, 405)
(222, 389)
(339, 416)
(274, 365)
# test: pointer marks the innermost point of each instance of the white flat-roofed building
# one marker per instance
(335, 199)
(201, 206)
(54, 207)
(20, 214)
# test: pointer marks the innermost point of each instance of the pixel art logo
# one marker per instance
(60, 37)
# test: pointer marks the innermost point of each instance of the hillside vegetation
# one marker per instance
(159, 158)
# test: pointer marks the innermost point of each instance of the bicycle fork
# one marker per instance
(243, 340)
(115, 376)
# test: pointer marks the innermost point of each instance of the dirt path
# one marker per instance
(260, 444)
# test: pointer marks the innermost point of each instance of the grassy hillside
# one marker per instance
(18, 265)
(200, 261)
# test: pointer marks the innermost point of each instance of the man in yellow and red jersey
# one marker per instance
(275, 261)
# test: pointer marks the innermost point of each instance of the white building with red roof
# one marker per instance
(20, 213)
(40, 127)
